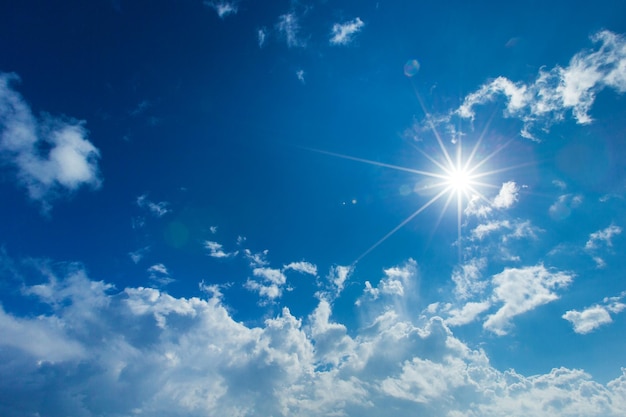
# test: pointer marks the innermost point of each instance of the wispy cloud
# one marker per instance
(558, 90)
(69, 161)
(598, 315)
(302, 266)
(223, 8)
(160, 274)
(563, 206)
(289, 27)
(216, 250)
(603, 237)
(158, 209)
(300, 75)
(137, 256)
(343, 33)
(262, 35)
(600, 241)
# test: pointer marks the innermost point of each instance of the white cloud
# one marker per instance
(262, 36)
(216, 250)
(508, 195)
(223, 8)
(69, 161)
(595, 316)
(271, 284)
(467, 278)
(138, 255)
(563, 206)
(521, 290)
(514, 230)
(257, 259)
(484, 229)
(603, 237)
(289, 27)
(477, 207)
(395, 282)
(300, 75)
(467, 314)
(158, 209)
(302, 266)
(144, 352)
(589, 319)
(160, 274)
(558, 90)
(343, 33)
(338, 275)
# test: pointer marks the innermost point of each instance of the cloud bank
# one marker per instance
(140, 351)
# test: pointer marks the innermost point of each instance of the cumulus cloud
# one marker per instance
(395, 281)
(271, 283)
(158, 209)
(560, 89)
(520, 290)
(508, 195)
(141, 351)
(595, 316)
(223, 8)
(50, 155)
(343, 33)
(216, 250)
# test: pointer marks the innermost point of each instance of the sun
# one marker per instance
(459, 180)
(455, 175)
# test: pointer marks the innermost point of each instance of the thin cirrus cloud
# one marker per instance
(561, 89)
(157, 209)
(70, 161)
(343, 33)
(171, 356)
(288, 27)
(223, 8)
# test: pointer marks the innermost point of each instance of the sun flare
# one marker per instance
(455, 175)
(460, 180)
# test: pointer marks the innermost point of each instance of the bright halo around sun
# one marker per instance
(460, 180)
(453, 176)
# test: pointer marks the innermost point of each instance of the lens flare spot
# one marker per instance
(411, 67)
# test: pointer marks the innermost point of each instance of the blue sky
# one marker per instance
(312, 208)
